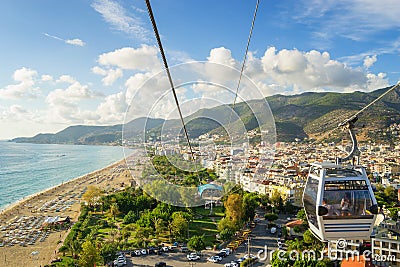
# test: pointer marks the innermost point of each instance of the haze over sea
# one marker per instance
(26, 169)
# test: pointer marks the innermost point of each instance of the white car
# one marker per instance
(227, 251)
(251, 256)
(137, 252)
(193, 257)
(215, 258)
(143, 251)
(273, 230)
(231, 264)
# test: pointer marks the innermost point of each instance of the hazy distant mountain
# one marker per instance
(296, 116)
(81, 134)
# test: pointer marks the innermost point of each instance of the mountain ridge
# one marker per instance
(299, 116)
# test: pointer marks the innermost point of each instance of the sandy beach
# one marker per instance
(22, 243)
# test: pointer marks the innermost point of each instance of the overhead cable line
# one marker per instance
(157, 35)
(376, 100)
(343, 123)
(244, 62)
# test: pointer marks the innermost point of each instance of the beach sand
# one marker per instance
(18, 220)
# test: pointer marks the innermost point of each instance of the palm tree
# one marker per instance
(74, 247)
(114, 210)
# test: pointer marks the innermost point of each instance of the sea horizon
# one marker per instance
(27, 169)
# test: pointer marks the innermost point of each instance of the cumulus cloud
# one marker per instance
(110, 75)
(143, 58)
(221, 55)
(64, 103)
(112, 109)
(120, 19)
(369, 61)
(26, 87)
(313, 70)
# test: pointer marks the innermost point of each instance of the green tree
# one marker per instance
(90, 255)
(108, 252)
(234, 209)
(131, 217)
(179, 226)
(226, 234)
(114, 210)
(301, 215)
(197, 243)
(271, 217)
(250, 202)
(226, 223)
(394, 213)
(276, 200)
(92, 195)
(74, 246)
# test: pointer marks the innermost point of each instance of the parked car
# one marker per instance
(273, 230)
(184, 249)
(240, 259)
(193, 256)
(222, 254)
(136, 253)
(232, 264)
(227, 251)
(160, 264)
(143, 251)
(215, 258)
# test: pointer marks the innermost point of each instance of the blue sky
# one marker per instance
(80, 62)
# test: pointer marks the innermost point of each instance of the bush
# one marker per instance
(247, 262)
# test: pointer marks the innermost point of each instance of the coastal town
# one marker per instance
(267, 170)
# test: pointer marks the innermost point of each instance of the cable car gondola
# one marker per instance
(338, 199)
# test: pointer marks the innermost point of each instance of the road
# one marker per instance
(260, 238)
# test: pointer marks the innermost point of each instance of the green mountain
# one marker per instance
(93, 135)
(296, 116)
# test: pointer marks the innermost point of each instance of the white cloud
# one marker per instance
(25, 88)
(142, 59)
(46, 78)
(64, 103)
(221, 55)
(66, 79)
(110, 75)
(75, 42)
(313, 70)
(377, 81)
(116, 15)
(112, 109)
(369, 61)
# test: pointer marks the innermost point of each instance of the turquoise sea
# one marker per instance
(26, 169)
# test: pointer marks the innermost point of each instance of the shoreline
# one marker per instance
(60, 200)
(29, 197)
